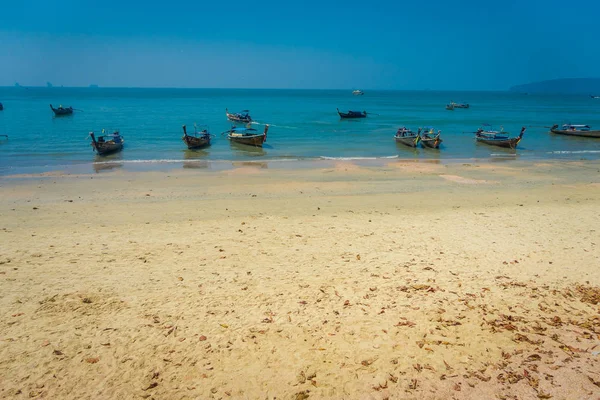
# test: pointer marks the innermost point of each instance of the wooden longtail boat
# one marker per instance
(454, 105)
(352, 114)
(241, 116)
(576, 130)
(107, 144)
(60, 111)
(407, 137)
(500, 139)
(431, 140)
(247, 136)
(197, 139)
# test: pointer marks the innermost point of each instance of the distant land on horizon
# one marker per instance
(574, 86)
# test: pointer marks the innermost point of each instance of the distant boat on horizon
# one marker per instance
(594, 97)
(357, 92)
(454, 105)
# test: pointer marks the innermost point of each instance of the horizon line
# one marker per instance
(244, 88)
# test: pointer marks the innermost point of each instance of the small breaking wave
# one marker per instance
(358, 158)
(574, 152)
(159, 161)
(176, 161)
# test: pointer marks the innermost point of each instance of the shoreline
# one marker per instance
(165, 165)
(411, 280)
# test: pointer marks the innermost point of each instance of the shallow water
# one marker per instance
(304, 125)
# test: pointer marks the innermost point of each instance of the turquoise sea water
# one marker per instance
(304, 125)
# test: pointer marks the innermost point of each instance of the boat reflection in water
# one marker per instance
(247, 151)
(508, 155)
(109, 162)
(106, 166)
(196, 159)
(250, 164)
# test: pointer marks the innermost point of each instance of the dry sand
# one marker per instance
(405, 281)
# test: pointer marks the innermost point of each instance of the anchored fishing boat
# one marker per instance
(61, 111)
(197, 139)
(241, 116)
(247, 136)
(498, 138)
(352, 114)
(407, 137)
(454, 105)
(107, 144)
(575, 130)
(357, 92)
(431, 139)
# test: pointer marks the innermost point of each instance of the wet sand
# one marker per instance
(402, 281)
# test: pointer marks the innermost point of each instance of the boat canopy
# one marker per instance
(241, 130)
(580, 127)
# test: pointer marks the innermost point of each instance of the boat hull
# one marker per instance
(410, 141)
(590, 134)
(107, 148)
(433, 143)
(510, 143)
(352, 116)
(62, 113)
(237, 119)
(248, 140)
(196, 142)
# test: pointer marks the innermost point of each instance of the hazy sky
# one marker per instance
(394, 44)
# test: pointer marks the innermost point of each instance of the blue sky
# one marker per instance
(420, 44)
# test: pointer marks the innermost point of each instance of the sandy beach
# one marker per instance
(409, 280)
